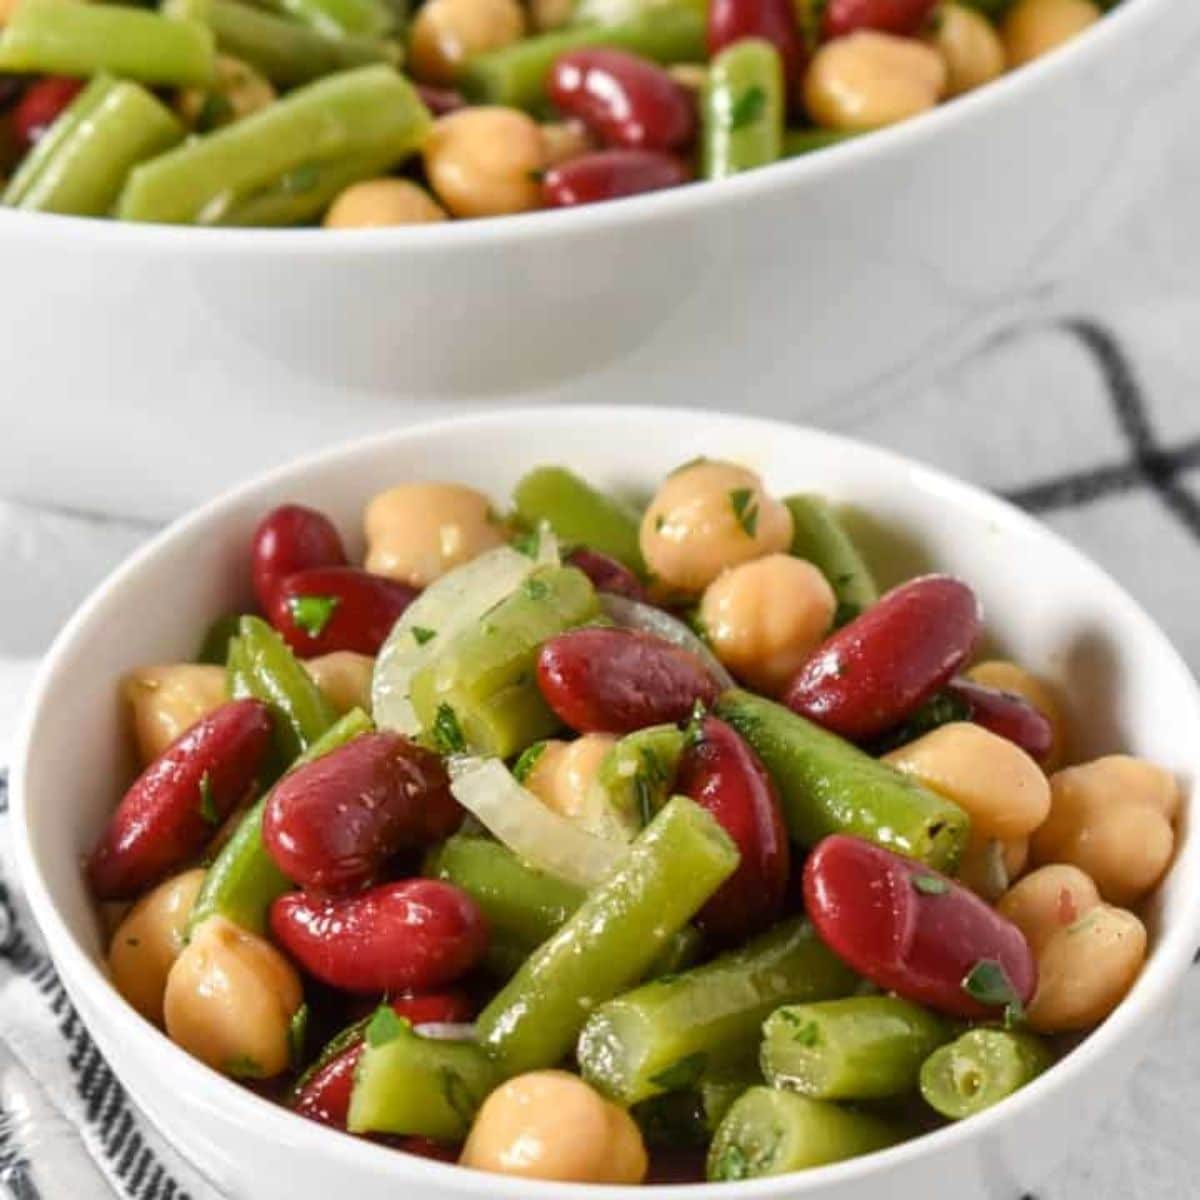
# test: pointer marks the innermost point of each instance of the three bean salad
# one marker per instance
(356, 113)
(587, 844)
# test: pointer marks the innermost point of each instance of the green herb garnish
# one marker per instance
(535, 588)
(524, 765)
(421, 635)
(930, 885)
(732, 1165)
(242, 1066)
(208, 806)
(303, 179)
(745, 509)
(447, 733)
(747, 108)
(527, 543)
(384, 1026)
(312, 613)
(989, 984)
(681, 1075)
(214, 111)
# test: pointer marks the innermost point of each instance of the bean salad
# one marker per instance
(586, 843)
(358, 113)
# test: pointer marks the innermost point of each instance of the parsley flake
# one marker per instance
(747, 108)
(312, 613)
(303, 179)
(681, 1075)
(989, 984)
(447, 733)
(524, 765)
(732, 1165)
(930, 885)
(806, 1032)
(208, 806)
(242, 1066)
(527, 543)
(384, 1026)
(535, 588)
(421, 635)
(745, 509)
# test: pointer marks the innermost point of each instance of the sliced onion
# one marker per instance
(543, 838)
(446, 1031)
(635, 615)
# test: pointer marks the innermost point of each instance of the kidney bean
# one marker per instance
(903, 17)
(419, 933)
(440, 101)
(883, 665)
(176, 804)
(623, 99)
(332, 823)
(609, 175)
(41, 105)
(427, 1148)
(620, 680)
(910, 930)
(288, 539)
(775, 21)
(1005, 714)
(722, 774)
(325, 609)
(607, 574)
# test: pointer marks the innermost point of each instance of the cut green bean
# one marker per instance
(636, 776)
(818, 537)
(860, 1048)
(826, 786)
(742, 109)
(665, 1036)
(611, 941)
(370, 117)
(373, 19)
(980, 1069)
(515, 75)
(798, 142)
(50, 37)
(768, 1132)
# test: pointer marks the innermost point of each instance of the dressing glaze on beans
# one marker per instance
(519, 843)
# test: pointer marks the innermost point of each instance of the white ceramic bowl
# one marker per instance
(1046, 604)
(783, 288)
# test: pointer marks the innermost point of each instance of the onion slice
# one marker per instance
(635, 615)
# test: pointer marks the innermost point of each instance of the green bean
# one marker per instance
(340, 18)
(610, 942)
(721, 1089)
(515, 75)
(860, 1048)
(617, 12)
(980, 1069)
(742, 110)
(480, 690)
(768, 1132)
(666, 1035)
(49, 37)
(578, 513)
(637, 774)
(370, 116)
(818, 537)
(243, 881)
(798, 142)
(690, 1118)
(828, 786)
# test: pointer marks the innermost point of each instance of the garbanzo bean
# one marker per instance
(764, 618)
(868, 80)
(376, 203)
(485, 162)
(1035, 27)
(445, 33)
(564, 773)
(344, 679)
(1089, 954)
(709, 516)
(550, 14)
(1008, 677)
(552, 1125)
(993, 780)
(148, 941)
(970, 47)
(1114, 819)
(565, 140)
(416, 532)
(238, 91)
(230, 999)
(165, 701)
(989, 866)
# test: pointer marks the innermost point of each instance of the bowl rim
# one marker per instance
(1172, 955)
(668, 205)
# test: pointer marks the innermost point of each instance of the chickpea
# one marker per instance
(344, 679)
(445, 33)
(1035, 27)
(168, 700)
(563, 775)
(552, 1125)
(969, 45)
(485, 162)
(1113, 818)
(376, 203)
(550, 14)
(999, 786)
(867, 80)
(1089, 954)
(230, 999)
(564, 140)
(708, 516)
(7, 8)
(1008, 677)
(764, 618)
(989, 866)
(148, 941)
(416, 532)
(238, 91)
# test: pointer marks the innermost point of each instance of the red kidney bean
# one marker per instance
(325, 609)
(440, 101)
(177, 802)
(623, 99)
(41, 105)
(775, 21)
(723, 774)
(427, 1148)
(331, 824)
(888, 16)
(883, 665)
(288, 539)
(1007, 715)
(419, 933)
(609, 175)
(619, 680)
(910, 930)
(607, 574)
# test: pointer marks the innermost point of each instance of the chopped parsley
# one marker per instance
(208, 806)
(732, 1165)
(298, 1035)
(524, 765)
(806, 1032)
(384, 1026)
(303, 179)
(447, 733)
(421, 635)
(527, 543)
(242, 1066)
(312, 613)
(535, 588)
(681, 1075)
(930, 885)
(989, 984)
(649, 781)
(747, 108)
(745, 509)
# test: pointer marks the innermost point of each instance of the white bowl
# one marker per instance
(784, 287)
(1047, 605)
